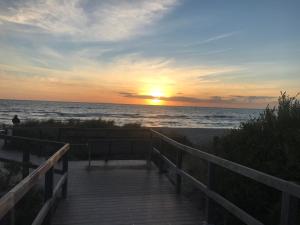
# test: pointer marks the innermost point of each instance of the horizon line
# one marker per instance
(111, 103)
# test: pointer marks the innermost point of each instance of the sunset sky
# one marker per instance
(172, 52)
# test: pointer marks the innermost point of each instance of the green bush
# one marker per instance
(269, 143)
(10, 175)
(28, 207)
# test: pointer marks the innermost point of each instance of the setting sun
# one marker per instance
(156, 93)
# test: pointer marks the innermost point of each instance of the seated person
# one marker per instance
(15, 120)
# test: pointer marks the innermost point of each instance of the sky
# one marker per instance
(163, 52)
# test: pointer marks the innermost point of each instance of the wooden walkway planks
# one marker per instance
(120, 194)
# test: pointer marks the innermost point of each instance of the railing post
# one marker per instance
(209, 202)
(59, 134)
(65, 165)
(89, 154)
(131, 147)
(178, 167)
(40, 137)
(26, 159)
(150, 151)
(109, 151)
(11, 217)
(161, 161)
(48, 192)
(288, 209)
(5, 139)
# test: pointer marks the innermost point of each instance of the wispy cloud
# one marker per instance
(212, 39)
(98, 20)
(232, 73)
(218, 37)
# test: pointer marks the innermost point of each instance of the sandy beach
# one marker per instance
(201, 137)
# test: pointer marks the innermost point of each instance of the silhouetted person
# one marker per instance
(15, 120)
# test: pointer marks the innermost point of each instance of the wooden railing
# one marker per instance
(86, 139)
(290, 191)
(46, 169)
(111, 141)
(62, 133)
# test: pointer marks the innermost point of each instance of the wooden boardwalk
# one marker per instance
(124, 192)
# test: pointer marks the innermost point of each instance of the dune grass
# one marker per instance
(77, 123)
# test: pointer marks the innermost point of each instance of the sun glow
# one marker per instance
(156, 93)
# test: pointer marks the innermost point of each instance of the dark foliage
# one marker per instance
(269, 143)
(10, 175)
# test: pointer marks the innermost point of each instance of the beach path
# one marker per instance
(122, 192)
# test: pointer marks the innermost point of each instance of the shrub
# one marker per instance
(9, 176)
(269, 143)
(28, 207)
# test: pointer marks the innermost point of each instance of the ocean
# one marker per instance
(147, 115)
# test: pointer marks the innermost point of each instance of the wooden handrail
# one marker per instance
(121, 139)
(241, 214)
(11, 198)
(82, 128)
(7, 137)
(289, 190)
(47, 206)
(131, 140)
(269, 180)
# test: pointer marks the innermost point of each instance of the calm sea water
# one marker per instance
(154, 116)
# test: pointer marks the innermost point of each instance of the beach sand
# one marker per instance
(200, 137)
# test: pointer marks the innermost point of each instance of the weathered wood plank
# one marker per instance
(123, 196)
